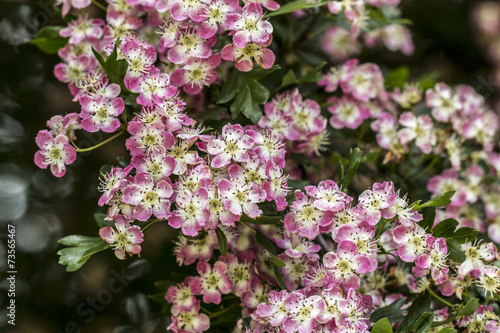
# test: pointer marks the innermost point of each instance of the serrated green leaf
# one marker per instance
(265, 242)
(447, 229)
(263, 219)
(382, 326)
(448, 329)
(298, 184)
(314, 75)
(464, 235)
(429, 216)
(420, 305)
(392, 312)
(353, 167)
(49, 40)
(289, 79)
(258, 73)
(117, 71)
(163, 285)
(80, 249)
(222, 241)
(425, 323)
(100, 59)
(277, 261)
(397, 78)
(443, 199)
(455, 253)
(337, 158)
(76, 240)
(469, 309)
(279, 277)
(372, 156)
(427, 81)
(295, 5)
(231, 87)
(158, 298)
(99, 218)
(341, 172)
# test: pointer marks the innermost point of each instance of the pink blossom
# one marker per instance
(234, 144)
(189, 44)
(214, 281)
(305, 219)
(191, 213)
(196, 73)
(346, 263)
(420, 129)
(249, 27)
(243, 57)
(240, 198)
(443, 101)
(148, 198)
(347, 113)
(218, 16)
(152, 88)
(99, 113)
(123, 238)
(55, 152)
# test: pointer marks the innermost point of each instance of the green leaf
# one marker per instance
(372, 156)
(463, 310)
(437, 201)
(263, 219)
(258, 73)
(445, 228)
(392, 312)
(80, 249)
(247, 92)
(99, 58)
(49, 40)
(427, 81)
(448, 229)
(163, 285)
(455, 253)
(469, 308)
(425, 322)
(270, 247)
(314, 75)
(295, 5)
(397, 78)
(382, 326)
(222, 241)
(158, 298)
(448, 329)
(353, 167)
(99, 218)
(337, 158)
(231, 87)
(420, 305)
(429, 216)
(279, 278)
(115, 69)
(341, 172)
(298, 184)
(289, 79)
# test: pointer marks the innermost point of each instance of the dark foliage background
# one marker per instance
(44, 208)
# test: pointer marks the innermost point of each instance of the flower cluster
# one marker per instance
(320, 258)
(289, 117)
(341, 43)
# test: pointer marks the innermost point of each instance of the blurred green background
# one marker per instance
(108, 295)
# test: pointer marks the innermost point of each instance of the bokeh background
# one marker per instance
(457, 40)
